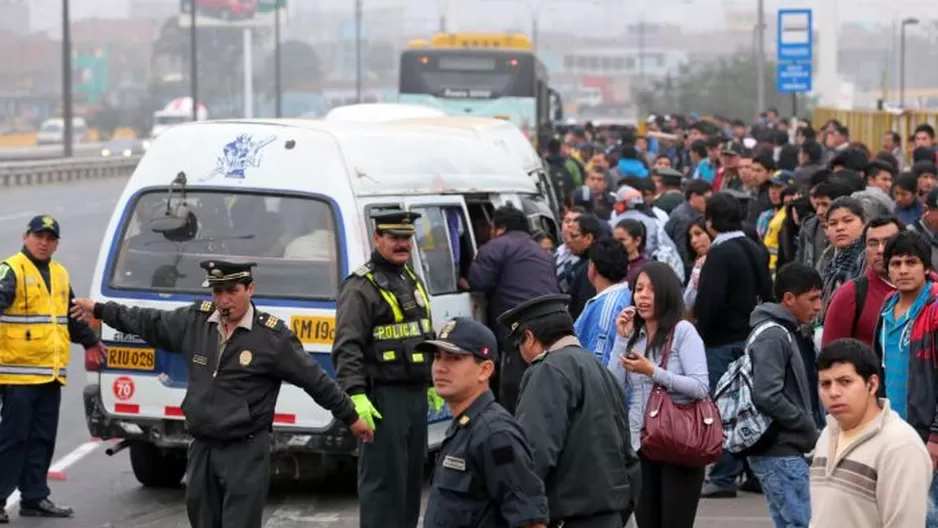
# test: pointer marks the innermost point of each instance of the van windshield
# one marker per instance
(293, 240)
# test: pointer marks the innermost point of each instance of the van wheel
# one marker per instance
(155, 468)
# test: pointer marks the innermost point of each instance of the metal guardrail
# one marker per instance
(53, 171)
(42, 152)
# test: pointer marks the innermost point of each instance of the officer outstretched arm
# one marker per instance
(354, 321)
(7, 286)
(510, 479)
(297, 367)
(162, 329)
(544, 398)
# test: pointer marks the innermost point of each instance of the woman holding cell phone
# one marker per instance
(652, 325)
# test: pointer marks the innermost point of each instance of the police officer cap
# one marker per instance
(43, 223)
(669, 177)
(535, 308)
(465, 337)
(220, 272)
(395, 221)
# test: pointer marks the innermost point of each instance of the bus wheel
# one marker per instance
(155, 468)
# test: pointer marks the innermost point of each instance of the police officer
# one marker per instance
(485, 471)
(382, 313)
(574, 414)
(237, 358)
(35, 330)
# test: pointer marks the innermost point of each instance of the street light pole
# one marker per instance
(760, 58)
(278, 88)
(67, 111)
(193, 61)
(911, 21)
(358, 50)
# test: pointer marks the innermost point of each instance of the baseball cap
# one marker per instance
(465, 337)
(731, 148)
(781, 177)
(44, 223)
(629, 196)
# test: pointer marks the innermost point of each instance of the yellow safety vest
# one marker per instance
(34, 338)
(393, 339)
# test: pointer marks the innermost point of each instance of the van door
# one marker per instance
(444, 248)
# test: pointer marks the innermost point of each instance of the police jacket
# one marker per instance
(574, 414)
(35, 327)
(485, 473)
(233, 385)
(382, 313)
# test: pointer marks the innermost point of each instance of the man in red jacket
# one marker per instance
(846, 317)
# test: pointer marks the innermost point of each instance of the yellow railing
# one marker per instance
(869, 126)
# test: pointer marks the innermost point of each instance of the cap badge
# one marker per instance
(217, 272)
(245, 358)
(447, 328)
(514, 326)
(48, 222)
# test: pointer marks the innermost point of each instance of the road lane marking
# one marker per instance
(60, 465)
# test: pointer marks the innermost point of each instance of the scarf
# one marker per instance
(845, 265)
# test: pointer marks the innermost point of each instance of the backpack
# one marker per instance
(860, 287)
(743, 423)
(667, 252)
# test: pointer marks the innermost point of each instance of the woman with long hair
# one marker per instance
(698, 245)
(654, 323)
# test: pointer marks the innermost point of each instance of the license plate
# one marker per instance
(313, 330)
(127, 358)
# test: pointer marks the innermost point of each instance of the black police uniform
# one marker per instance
(574, 413)
(233, 388)
(485, 471)
(382, 313)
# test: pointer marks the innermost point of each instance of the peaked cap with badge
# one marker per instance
(395, 221)
(220, 273)
(537, 307)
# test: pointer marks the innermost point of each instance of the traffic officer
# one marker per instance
(485, 471)
(35, 330)
(574, 414)
(237, 357)
(382, 313)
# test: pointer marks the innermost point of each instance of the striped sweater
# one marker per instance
(880, 480)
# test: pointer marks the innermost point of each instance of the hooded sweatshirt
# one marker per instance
(782, 386)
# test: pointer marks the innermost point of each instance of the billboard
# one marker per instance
(232, 13)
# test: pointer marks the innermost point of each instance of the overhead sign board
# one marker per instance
(232, 13)
(795, 47)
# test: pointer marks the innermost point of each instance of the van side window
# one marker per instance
(436, 229)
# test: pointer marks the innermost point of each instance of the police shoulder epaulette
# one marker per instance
(363, 270)
(268, 321)
(205, 306)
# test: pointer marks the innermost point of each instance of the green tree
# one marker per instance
(381, 59)
(300, 67)
(725, 86)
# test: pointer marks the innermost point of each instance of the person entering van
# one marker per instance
(238, 357)
(35, 330)
(382, 314)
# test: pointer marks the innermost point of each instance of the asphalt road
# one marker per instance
(102, 489)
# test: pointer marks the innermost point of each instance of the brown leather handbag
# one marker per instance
(688, 434)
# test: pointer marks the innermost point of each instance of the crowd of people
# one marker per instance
(785, 274)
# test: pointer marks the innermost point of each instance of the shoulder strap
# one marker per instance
(667, 351)
(860, 287)
(762, 328)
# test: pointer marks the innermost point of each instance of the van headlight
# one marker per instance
(105, 152)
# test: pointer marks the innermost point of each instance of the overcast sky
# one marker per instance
(578, 15)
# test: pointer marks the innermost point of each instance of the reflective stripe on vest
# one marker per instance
(397, 331)
(32, 319)
(32, 371)
(392, 300)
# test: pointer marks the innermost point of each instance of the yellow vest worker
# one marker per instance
(35, 333)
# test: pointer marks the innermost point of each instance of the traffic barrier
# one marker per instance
(54, 171)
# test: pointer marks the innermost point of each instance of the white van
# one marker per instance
(295, 196)
(504, 135)
(52, 131)
(380, 112)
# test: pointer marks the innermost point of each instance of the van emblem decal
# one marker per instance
(239, 155)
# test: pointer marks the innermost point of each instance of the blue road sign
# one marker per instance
(793, 71)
